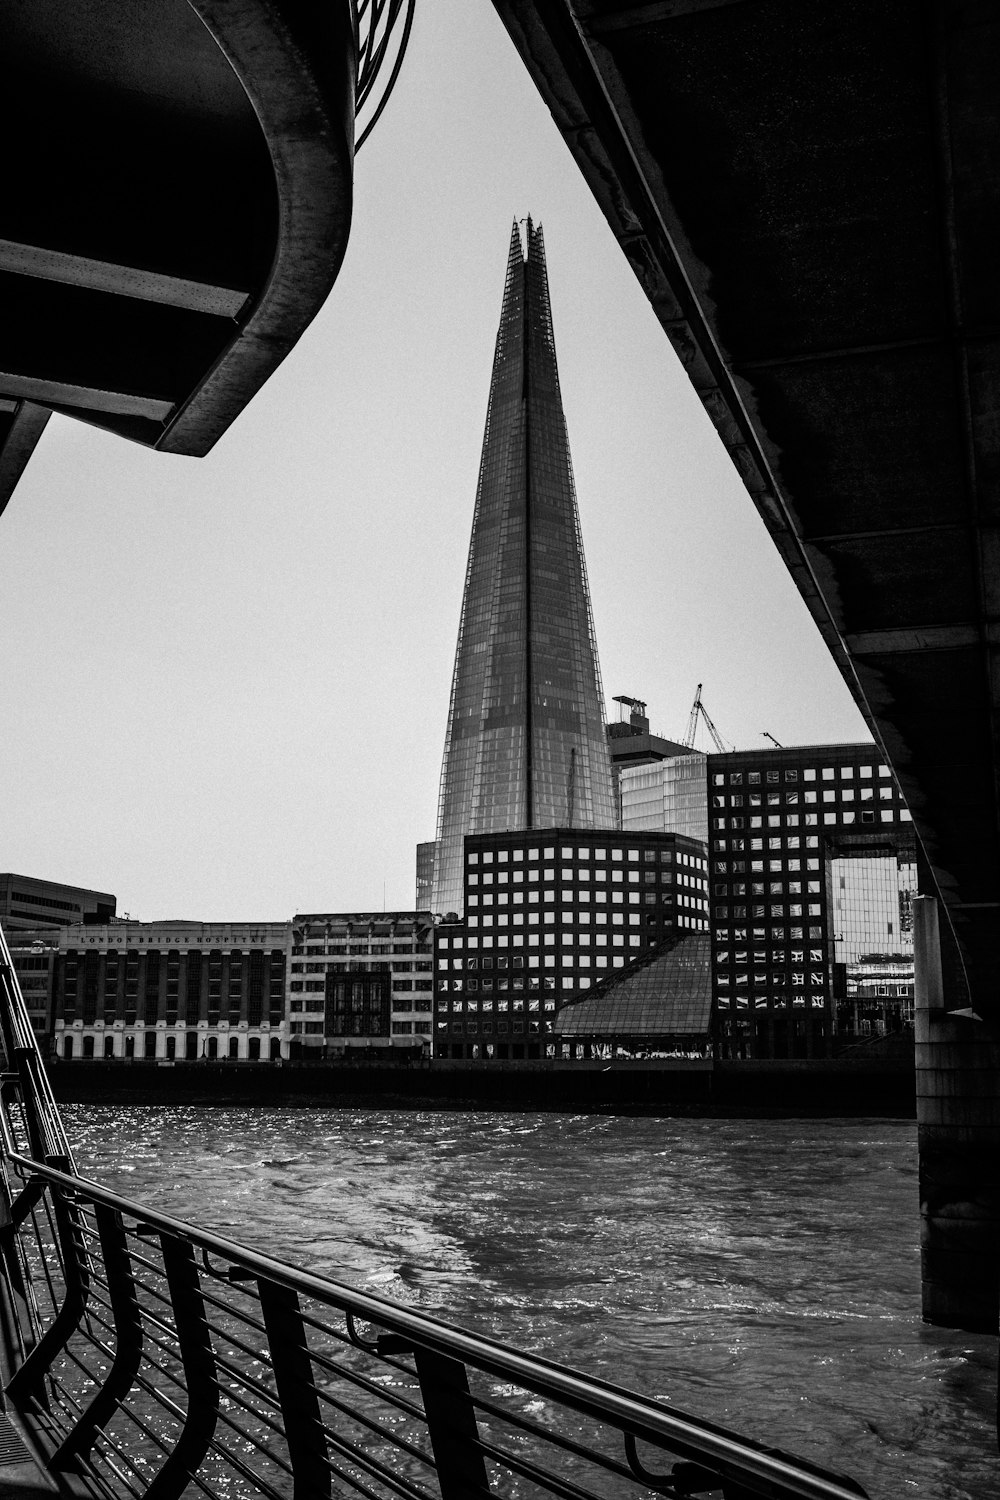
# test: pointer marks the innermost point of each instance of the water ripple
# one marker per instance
(763, 1273)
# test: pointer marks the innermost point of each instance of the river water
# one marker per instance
(763, 1273)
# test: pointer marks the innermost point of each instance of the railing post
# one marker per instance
(200, 1378)
(293, 1375)
(27, 1383)
(19, 1326)
(451, 1422)
(128, 1340)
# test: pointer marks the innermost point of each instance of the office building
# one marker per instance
(667, 794)
(630, 744)
(549, 913)
(873, 965)
(171, 991)
(526, 745)
(782, 821)
(361, 983)
(27, 903)
(34, 953)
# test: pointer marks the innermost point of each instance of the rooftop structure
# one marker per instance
(526, 744)
(630, 743)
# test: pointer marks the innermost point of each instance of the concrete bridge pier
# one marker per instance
(958, 1132)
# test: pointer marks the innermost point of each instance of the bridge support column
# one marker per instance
(958, 1132)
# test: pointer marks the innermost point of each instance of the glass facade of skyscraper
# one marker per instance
(526, 744)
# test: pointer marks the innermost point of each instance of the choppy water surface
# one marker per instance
(764, 1274)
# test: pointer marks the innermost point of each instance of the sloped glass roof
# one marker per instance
(671, 995)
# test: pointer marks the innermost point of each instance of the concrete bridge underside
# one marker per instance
(810, 196)
(174, 212)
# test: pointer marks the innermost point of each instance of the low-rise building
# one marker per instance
(171, 991)
(361, 983)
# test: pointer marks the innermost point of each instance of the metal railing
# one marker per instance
(148, 1357)
(381, 34)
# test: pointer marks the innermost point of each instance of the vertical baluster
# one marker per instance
(128, 1340)
(200, 1378)
(19, 1321)
(293, 1375)
(27, 1383)
(451, 1421)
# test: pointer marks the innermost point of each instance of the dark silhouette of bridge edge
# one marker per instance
(809, 197)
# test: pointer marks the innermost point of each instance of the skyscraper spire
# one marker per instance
(526, 744)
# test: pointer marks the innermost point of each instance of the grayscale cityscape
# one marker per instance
(650, 1093)
(595, 891)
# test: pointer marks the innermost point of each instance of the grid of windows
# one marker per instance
(774, 818)
(329, 949)
(548, 914)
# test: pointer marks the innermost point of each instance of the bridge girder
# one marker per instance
(810, 198)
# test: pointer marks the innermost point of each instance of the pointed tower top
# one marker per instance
(532, 238)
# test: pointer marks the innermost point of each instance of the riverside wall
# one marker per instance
(847, 1087)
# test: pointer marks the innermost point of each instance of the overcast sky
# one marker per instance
(226, 679)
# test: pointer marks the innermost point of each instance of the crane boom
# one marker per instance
(717, 739)
(692, 729)
(698, 709)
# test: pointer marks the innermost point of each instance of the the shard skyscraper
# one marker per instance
(526, 745)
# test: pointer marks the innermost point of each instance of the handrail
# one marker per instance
(44, 1121)
(380, 26)
(684, 1435)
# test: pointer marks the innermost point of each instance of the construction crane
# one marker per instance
(776, 743)
(698, 709)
